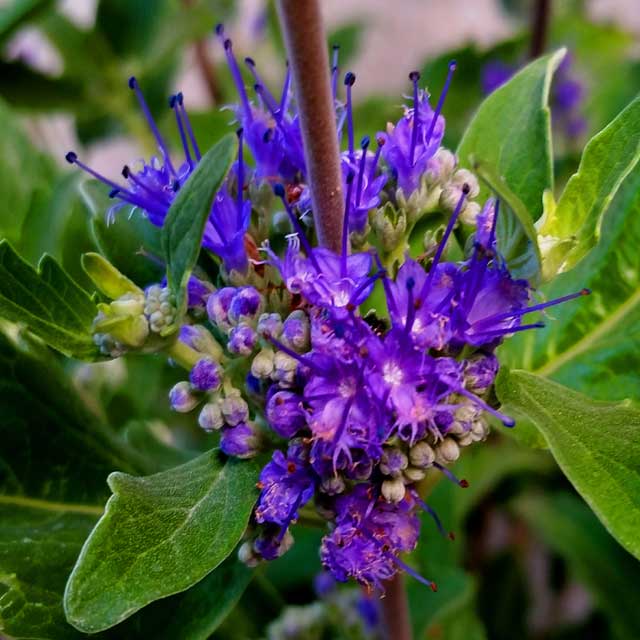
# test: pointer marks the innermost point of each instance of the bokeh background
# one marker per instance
(530, 560)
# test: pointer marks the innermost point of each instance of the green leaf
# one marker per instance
(569, 230)
(54, 459)
(195, 614)
(598, 561)
(511, 133)
(48, 301)
(591, 341)
(596, 444)
(159, 535)
(188, 215)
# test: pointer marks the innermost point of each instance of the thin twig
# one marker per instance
(395, 609)
(205, 65)
(307, 49)
(540, 17)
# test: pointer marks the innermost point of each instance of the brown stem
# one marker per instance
(306, 44)
(208, 71)
(541, 13)
(206, 66)
(395, 609)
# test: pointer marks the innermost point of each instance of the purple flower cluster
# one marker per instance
(356, 408)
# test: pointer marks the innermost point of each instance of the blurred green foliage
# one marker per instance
(519, 511)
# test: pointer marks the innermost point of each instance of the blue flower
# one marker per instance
(412, 142)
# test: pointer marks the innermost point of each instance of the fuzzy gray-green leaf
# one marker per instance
(159, 535)
(596, 444)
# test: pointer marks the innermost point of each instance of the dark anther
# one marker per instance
(71, 157)
(349, 78)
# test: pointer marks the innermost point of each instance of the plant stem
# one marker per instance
(306, 44)
(395, 609)
(541, 13)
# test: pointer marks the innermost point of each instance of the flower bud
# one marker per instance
(130, 304)
(285, 368)
(390, 226)
(200, 340)
(108, 345)
(333, 485)
(447, 451)
(247, 555)
(262, 364)
(413, 474)
(235, 410)
(393, 490)
(159, 307)
(295, 330)
(242, 340)
(241, 441)
(210, 418)
(271, 545)
(393, 462)
(182, 398)
(270, 324)
(218, 305)
(480, 373)
(245, 306)
(284, 413)
(205, 375)
(469, 213)
(422, 455)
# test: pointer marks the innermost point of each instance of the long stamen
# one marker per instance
(345, 225)
(391, 301)
(133, 84)
(535, 307)
(414, 76)
(376, 158)
(235, 71)
(443, 242)
(285, 90)
(187, 122)
(411, 307)
(414, 574)
(443, 95)
(173, 104)
(427, 509)
(267, 95)
(509, 330)
(240, 168)
(450, 475)
(364, 145)
(349, 80)
(159, 196)
(334, 71)
(494, 222)
(367, 283)
(506, 420)
(278, 189)
(72, 158)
